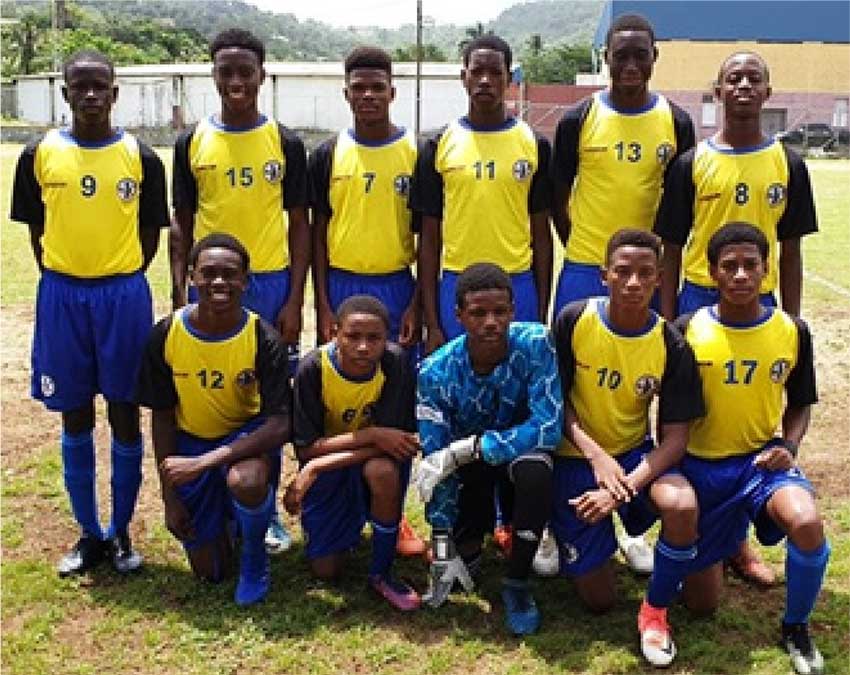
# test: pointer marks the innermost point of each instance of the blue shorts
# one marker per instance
(579, 281)
(692, 297)
(525, 301)
(395, 290)
(731, 494)
(90, 335)
(335, 509)
(207, 498)
(584, 547)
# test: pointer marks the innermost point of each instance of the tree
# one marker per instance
(430, 52)
(556, 64)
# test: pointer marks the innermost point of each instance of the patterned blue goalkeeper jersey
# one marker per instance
(516, 409)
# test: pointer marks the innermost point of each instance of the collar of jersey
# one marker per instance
(261, 120)
(509, 123)
(467, 360)
(712, 311)
(194, 332)
(335, 363)
(602, 306)
(68, 136)
(377, 144)
(739, 151)
(605, 99)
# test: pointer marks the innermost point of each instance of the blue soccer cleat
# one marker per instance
(521, 614)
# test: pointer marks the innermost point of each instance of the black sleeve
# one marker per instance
(675, 216)
(309, 417)
(153, 203)
(184, 187)
(680, 399)
(799, 218)
(800, 386)
(426, 186)
(319, 177)
(295, 192)
(396, 406)
(155, 387)
(27, 206)
(683, 129)
(682, 321)
(540, 194)
(272, 366)
(562, 334)
(564, 166)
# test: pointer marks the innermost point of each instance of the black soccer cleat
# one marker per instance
(124, 558)
(87, 554)
(805, 657)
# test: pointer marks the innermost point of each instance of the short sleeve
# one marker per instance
(272, 365)
(800, 386)
(295, 192)
(564, 166)
(309, 416)
(397, 404)
(799, 218)
(562, 334)
(680, 398)
(683, 129)
(675, 215)
(27, 206)
(426, 187)
(540, 194)
(319, 177)
(153, 203)
(155, 388)
(184, 187)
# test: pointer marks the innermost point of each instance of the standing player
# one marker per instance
(241, 173)
(94, 199)
(741, 471)
(615, 355)
(354, 424)
(215, 376)
(489, 410)
(611, 153)
(481, 186)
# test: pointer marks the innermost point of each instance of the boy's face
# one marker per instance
(90, 92)
(630, 57)
(738, 273)
(486, 316)
(237, 74)
(743, 87)
(632, 275)
(220, 279)
(369, 92)
(485, 79)
(360, 341)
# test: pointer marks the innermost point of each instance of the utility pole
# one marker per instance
(416, 118)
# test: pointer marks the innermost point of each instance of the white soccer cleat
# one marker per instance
(638, 553)
(546, 563)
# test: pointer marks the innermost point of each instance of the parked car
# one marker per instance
(812, 134)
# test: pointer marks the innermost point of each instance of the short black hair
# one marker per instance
(368, 57)
(90, 55)
(633, 22)
(363, 304)
(219, 240)
(736, 233)
(744, 52)
(493, 42)
(482, 277)
(630, 236)
(238, 37)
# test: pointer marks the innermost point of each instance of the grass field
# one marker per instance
(162, 621)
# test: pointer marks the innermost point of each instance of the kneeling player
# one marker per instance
(615, 355)
(215, 376)
(739, 469)
(354, 423)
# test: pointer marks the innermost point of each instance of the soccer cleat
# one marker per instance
(254, 578)
(124, 558)
(521, 614)
(806, 659)
(546, 563)
(277, 539)
(503, 535)
(747, 565)
(397, 593)
(409, 543)
(656, 642)
(638, 553)
(87, 554)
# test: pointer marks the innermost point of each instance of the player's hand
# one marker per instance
(610, 476)
(594, 505)
(775, 458)
(177, 519)
(175, 471)
(289, 322)
(324, 323)
(297, 489)
(446, 568)
(437, 466)
(435, 340)
(410, 331)
(394, 442)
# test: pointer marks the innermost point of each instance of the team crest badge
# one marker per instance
(646, 386)
(273, 171)
(664, 153)
(779, 369)
(246, 378)
(521, 169)
(401, 185)
(776, 194)
(126, 189)
(48, 387)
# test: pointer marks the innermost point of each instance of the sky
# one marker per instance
(387, 13)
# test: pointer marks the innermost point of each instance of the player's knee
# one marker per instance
(328, 568)
(79, 421)
(381, 475)
(679, 510)
(806, 528)
(248, 481)
(598, 600)
(124, 421)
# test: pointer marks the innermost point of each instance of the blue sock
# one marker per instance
(253, 523)
(804, 572)
(126, 480)
(78, 469)
(384, 536)
(671, 566)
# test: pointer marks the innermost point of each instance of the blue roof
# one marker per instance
(713, 20)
